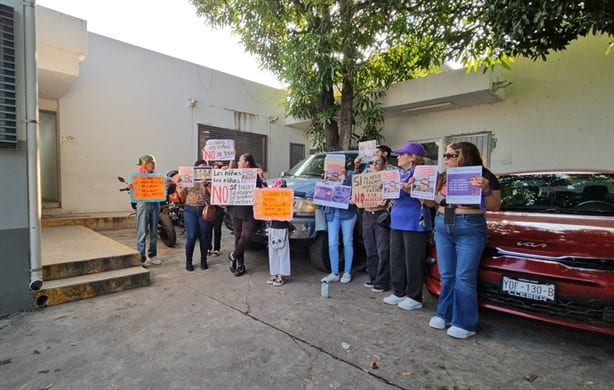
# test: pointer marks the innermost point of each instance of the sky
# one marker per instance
(170, 27)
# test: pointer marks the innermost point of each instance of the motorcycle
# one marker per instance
(166, 227)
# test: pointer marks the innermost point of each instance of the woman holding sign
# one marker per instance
(460, 234)
(410, 224)
(243, 222)
(195, 200)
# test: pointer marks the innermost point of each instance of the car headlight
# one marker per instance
(304, 207)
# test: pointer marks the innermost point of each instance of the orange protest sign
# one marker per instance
(148, 188)
(274, 204)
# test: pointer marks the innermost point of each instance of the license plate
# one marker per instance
(528, 289)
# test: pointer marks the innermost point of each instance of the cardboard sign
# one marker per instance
(233, 186)
(273, 204)
(367, 190)
(391, 184)
(459, 188)
(219, 150)
(425, 179)
(148, 187)
(337, 196)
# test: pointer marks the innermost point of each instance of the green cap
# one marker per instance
(146, 158)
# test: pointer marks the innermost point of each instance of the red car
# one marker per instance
(550, 252)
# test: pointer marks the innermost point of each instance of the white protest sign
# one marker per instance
(219, 150)
(233, 186)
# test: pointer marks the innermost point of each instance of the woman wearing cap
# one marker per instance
(195, 200)
(460, 244)
(410, 224)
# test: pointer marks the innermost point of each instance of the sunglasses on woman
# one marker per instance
(450, 155)
(376, 162)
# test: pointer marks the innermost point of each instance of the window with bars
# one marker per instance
(483, 141)
(245, 142)
(297, 153)
(8, 108)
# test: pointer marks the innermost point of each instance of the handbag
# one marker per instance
(209, 213)
(383, 220)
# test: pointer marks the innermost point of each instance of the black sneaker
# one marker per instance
(240, 270)
(233, 262)
(189, 267)
(204, 265)
(379, 289)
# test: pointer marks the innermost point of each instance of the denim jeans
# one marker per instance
(459, 250)
(197, 228)
(347, 229)
(377, 245)
(147, 214)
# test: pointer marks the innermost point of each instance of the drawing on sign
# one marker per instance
(424, 184)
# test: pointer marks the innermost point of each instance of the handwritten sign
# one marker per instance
(148, 187)
(366, 150)
(334, 166)
(273, 204)
(233, 186)
(391, 184)
(219, 150)
(459, 188)
(337, 196)
(367, 190)
(424, 185)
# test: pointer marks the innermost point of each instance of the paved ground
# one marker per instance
(210, 330)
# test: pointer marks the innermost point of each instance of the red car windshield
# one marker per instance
(565, 193)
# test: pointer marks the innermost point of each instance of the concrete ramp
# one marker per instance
(79, 263)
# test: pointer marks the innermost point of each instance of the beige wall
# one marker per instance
(556, 114)
(128, 101)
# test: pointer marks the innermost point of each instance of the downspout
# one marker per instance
(34, 206)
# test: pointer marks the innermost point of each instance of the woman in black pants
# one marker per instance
(243, 222)
(216, 234)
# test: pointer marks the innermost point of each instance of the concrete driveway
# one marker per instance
(211, 330)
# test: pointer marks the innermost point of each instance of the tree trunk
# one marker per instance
(346, 116)
(327, 104)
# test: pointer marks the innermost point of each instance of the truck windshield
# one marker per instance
(311, 166)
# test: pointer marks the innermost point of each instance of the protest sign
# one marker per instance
(273, 204)
(459, 188)
(186, 177)
(219, 150)
(148, 187)
(367, 190)
(337, 196)
(391, 184)
(366, 150)
(424, 185)
(334, 167)
(202, 174)
(233, 186)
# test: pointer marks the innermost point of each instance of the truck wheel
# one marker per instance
(318, 252)
(166, 231)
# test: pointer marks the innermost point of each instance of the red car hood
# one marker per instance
(551, 236)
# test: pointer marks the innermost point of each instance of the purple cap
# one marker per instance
(413, 148)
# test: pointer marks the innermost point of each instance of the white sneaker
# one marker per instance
(147, 263)
(460, 333)
(346, 278)
(330, 278)
(437, 323)
(155, 260)
(409, 304)
(393, 299)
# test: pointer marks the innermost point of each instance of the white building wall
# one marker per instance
(128, 101)
(556, 114)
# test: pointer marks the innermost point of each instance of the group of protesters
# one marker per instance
(395, 234)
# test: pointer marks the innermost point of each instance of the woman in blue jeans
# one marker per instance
(197, 228)
(345, 219)
(460, 242)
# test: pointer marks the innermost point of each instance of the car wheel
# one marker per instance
(166, 231)
(318, 252)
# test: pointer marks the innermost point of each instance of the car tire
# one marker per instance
(318, 252)
(166, 231)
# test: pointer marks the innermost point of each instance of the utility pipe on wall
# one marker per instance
(32, 134)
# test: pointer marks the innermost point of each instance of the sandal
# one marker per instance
(278, 282)
(215, 253)
(271, 280)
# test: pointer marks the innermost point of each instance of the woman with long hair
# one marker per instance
(460, 240)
